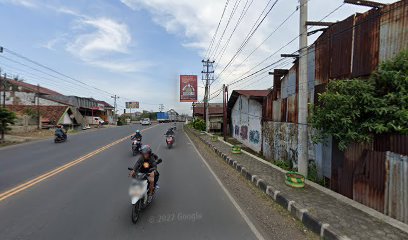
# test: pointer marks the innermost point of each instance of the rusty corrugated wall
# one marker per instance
(366, 43)
(393, 30)
(368, 180)
(322, 58)
(396, 187)
(292, 109)
(341, 36)
(391, 142)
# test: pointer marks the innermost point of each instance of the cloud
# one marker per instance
(195, 21)
(24, 3)
(106, 36)
(105, 43)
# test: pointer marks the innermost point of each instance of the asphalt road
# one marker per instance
(90, 200)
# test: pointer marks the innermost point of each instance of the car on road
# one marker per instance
(146, 121)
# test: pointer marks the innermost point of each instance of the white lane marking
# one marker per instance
(243, 215)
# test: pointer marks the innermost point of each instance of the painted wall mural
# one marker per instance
(244, 132)
(236, 130)
(254, 136)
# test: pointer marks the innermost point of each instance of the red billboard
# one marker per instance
(188, 88)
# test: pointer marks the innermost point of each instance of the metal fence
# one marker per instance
(396, 187)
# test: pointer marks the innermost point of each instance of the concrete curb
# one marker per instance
(311, 222)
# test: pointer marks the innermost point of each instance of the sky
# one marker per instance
(136, 49)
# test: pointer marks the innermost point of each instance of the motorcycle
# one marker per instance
(169, 141)
(136, 145)
(59, 139)
(138, 192)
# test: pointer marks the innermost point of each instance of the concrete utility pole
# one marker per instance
(3, 123)
(38, 107)
(302, 98)
(161, 107)
(115, 106)
(208, 76)
(225, 103)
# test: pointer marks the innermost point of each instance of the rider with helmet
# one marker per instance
(147, 163)
(137, 135)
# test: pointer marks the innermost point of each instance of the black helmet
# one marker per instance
(146, 149)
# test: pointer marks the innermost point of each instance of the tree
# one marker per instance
(354, 110)
(6, 117)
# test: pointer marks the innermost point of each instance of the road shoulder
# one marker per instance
(272, 221)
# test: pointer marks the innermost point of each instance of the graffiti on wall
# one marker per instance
(236, 130)
(254, 136)
(244, 132)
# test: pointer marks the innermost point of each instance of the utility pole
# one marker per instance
(161, 107)
(208, 76)
(115, 106)
(3, 123)
(225, 102)
(38, 107)
(302, 97)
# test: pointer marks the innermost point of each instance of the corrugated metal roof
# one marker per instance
(33, 88)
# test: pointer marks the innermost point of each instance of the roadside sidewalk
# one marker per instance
(321, 210)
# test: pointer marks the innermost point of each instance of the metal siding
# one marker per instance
(292, 80)
(340, 48)
(276, 111)
(284, 86)
(292, 109)
(283, 109)
(322, 58)
(393, 30)
(369, 179)
(396, 187)
(366, 43)
(391, 142)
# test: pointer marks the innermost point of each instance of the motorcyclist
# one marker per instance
(137, 135)
(170, 132)
(147, 163)
(60, 133)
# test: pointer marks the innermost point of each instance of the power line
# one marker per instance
(237, 2)
(52, 70)
(216, 31)
(263, 42)
(243, 13)
(285, 45)
(249, 36)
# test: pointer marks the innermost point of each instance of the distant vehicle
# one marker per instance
(146, 121)
(162, 117)
(94, 120)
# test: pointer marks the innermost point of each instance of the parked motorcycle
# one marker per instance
(170, 141)
(138, 192)
(136, 145)
(60, 139)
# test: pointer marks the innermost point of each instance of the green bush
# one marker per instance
(199, 124)
(354, 110)
(7, 117)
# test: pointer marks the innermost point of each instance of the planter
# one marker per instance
(214, 138)
(294, 179)
(236, 149)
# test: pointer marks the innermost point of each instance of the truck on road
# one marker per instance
(162, 117)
